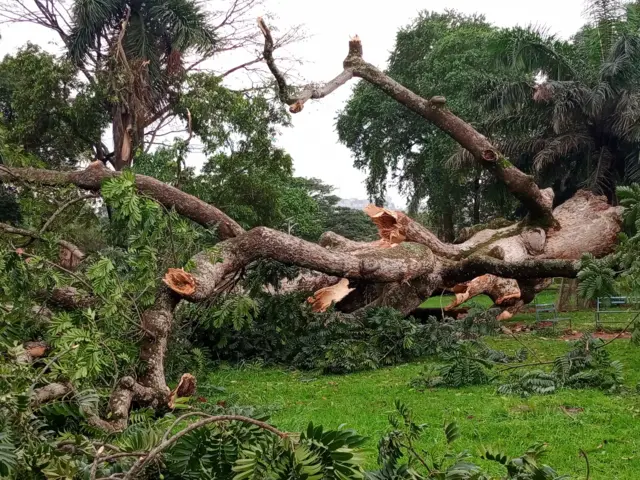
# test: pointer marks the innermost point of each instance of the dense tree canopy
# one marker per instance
(47, 112)
(571, 118)
(439, 54)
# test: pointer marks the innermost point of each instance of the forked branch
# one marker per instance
(286, 94)
(522, 186)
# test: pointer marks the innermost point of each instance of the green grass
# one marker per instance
(608, 429)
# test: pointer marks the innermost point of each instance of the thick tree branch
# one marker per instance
(522, 186)
(475, 266)
(50, 392)
(92, 177)
(375, 264)
(70, 298)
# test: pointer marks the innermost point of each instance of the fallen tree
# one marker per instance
(400, 270)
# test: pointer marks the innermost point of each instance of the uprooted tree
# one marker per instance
(399, 270)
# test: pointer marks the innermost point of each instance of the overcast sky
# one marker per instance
(312, 141)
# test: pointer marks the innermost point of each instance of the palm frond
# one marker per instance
(568, 101)
(632, 167)
(90, 18)
(560, 147)
(626, 118)
(599, 181)
(605, 14)
(597, 97)
(534, 50)
(186, 24)
(621, 67)
(461, 159)
(509, 96)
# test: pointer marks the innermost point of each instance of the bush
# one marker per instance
(282, 329)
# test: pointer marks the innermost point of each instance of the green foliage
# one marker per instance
(245, 172)
(352, 224)
(243, 451)
(237, 311)
(8, 459)
(47, 112)
(531, 382)
(285, 330)
(462, 368)
(466, 363)
(399, 457)
(596, 277)
(586, 365)
(443, 54)
(578, 126)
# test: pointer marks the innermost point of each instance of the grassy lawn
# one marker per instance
(608, 428)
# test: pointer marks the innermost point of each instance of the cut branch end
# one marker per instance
(181, 282)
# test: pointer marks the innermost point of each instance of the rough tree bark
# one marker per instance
(400, 270)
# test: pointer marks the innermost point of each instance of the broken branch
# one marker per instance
(522, 186)
(285, 92)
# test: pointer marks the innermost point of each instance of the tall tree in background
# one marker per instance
(573, 116)
(440, 55)
(139, 48)
(135, 57)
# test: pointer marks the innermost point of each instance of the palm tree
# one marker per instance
(573, 118)
(138, 48)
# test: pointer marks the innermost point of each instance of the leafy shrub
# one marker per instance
(282, 329)
(399, 458)
(586, 365)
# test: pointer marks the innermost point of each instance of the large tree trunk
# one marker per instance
(448, 224)
(400, 270)
(476, 199)
(568, 295)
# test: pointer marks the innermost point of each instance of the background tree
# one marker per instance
(571, 117)
(136, 56)
(47, 112)
(438, 54)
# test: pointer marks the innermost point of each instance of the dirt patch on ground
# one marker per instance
(575, 335)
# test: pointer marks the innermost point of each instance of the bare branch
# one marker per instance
(64, 207)
(241, 66)
(297, 101)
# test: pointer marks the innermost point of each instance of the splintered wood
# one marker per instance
(323, 298)
(186, 388)
(389, 227)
